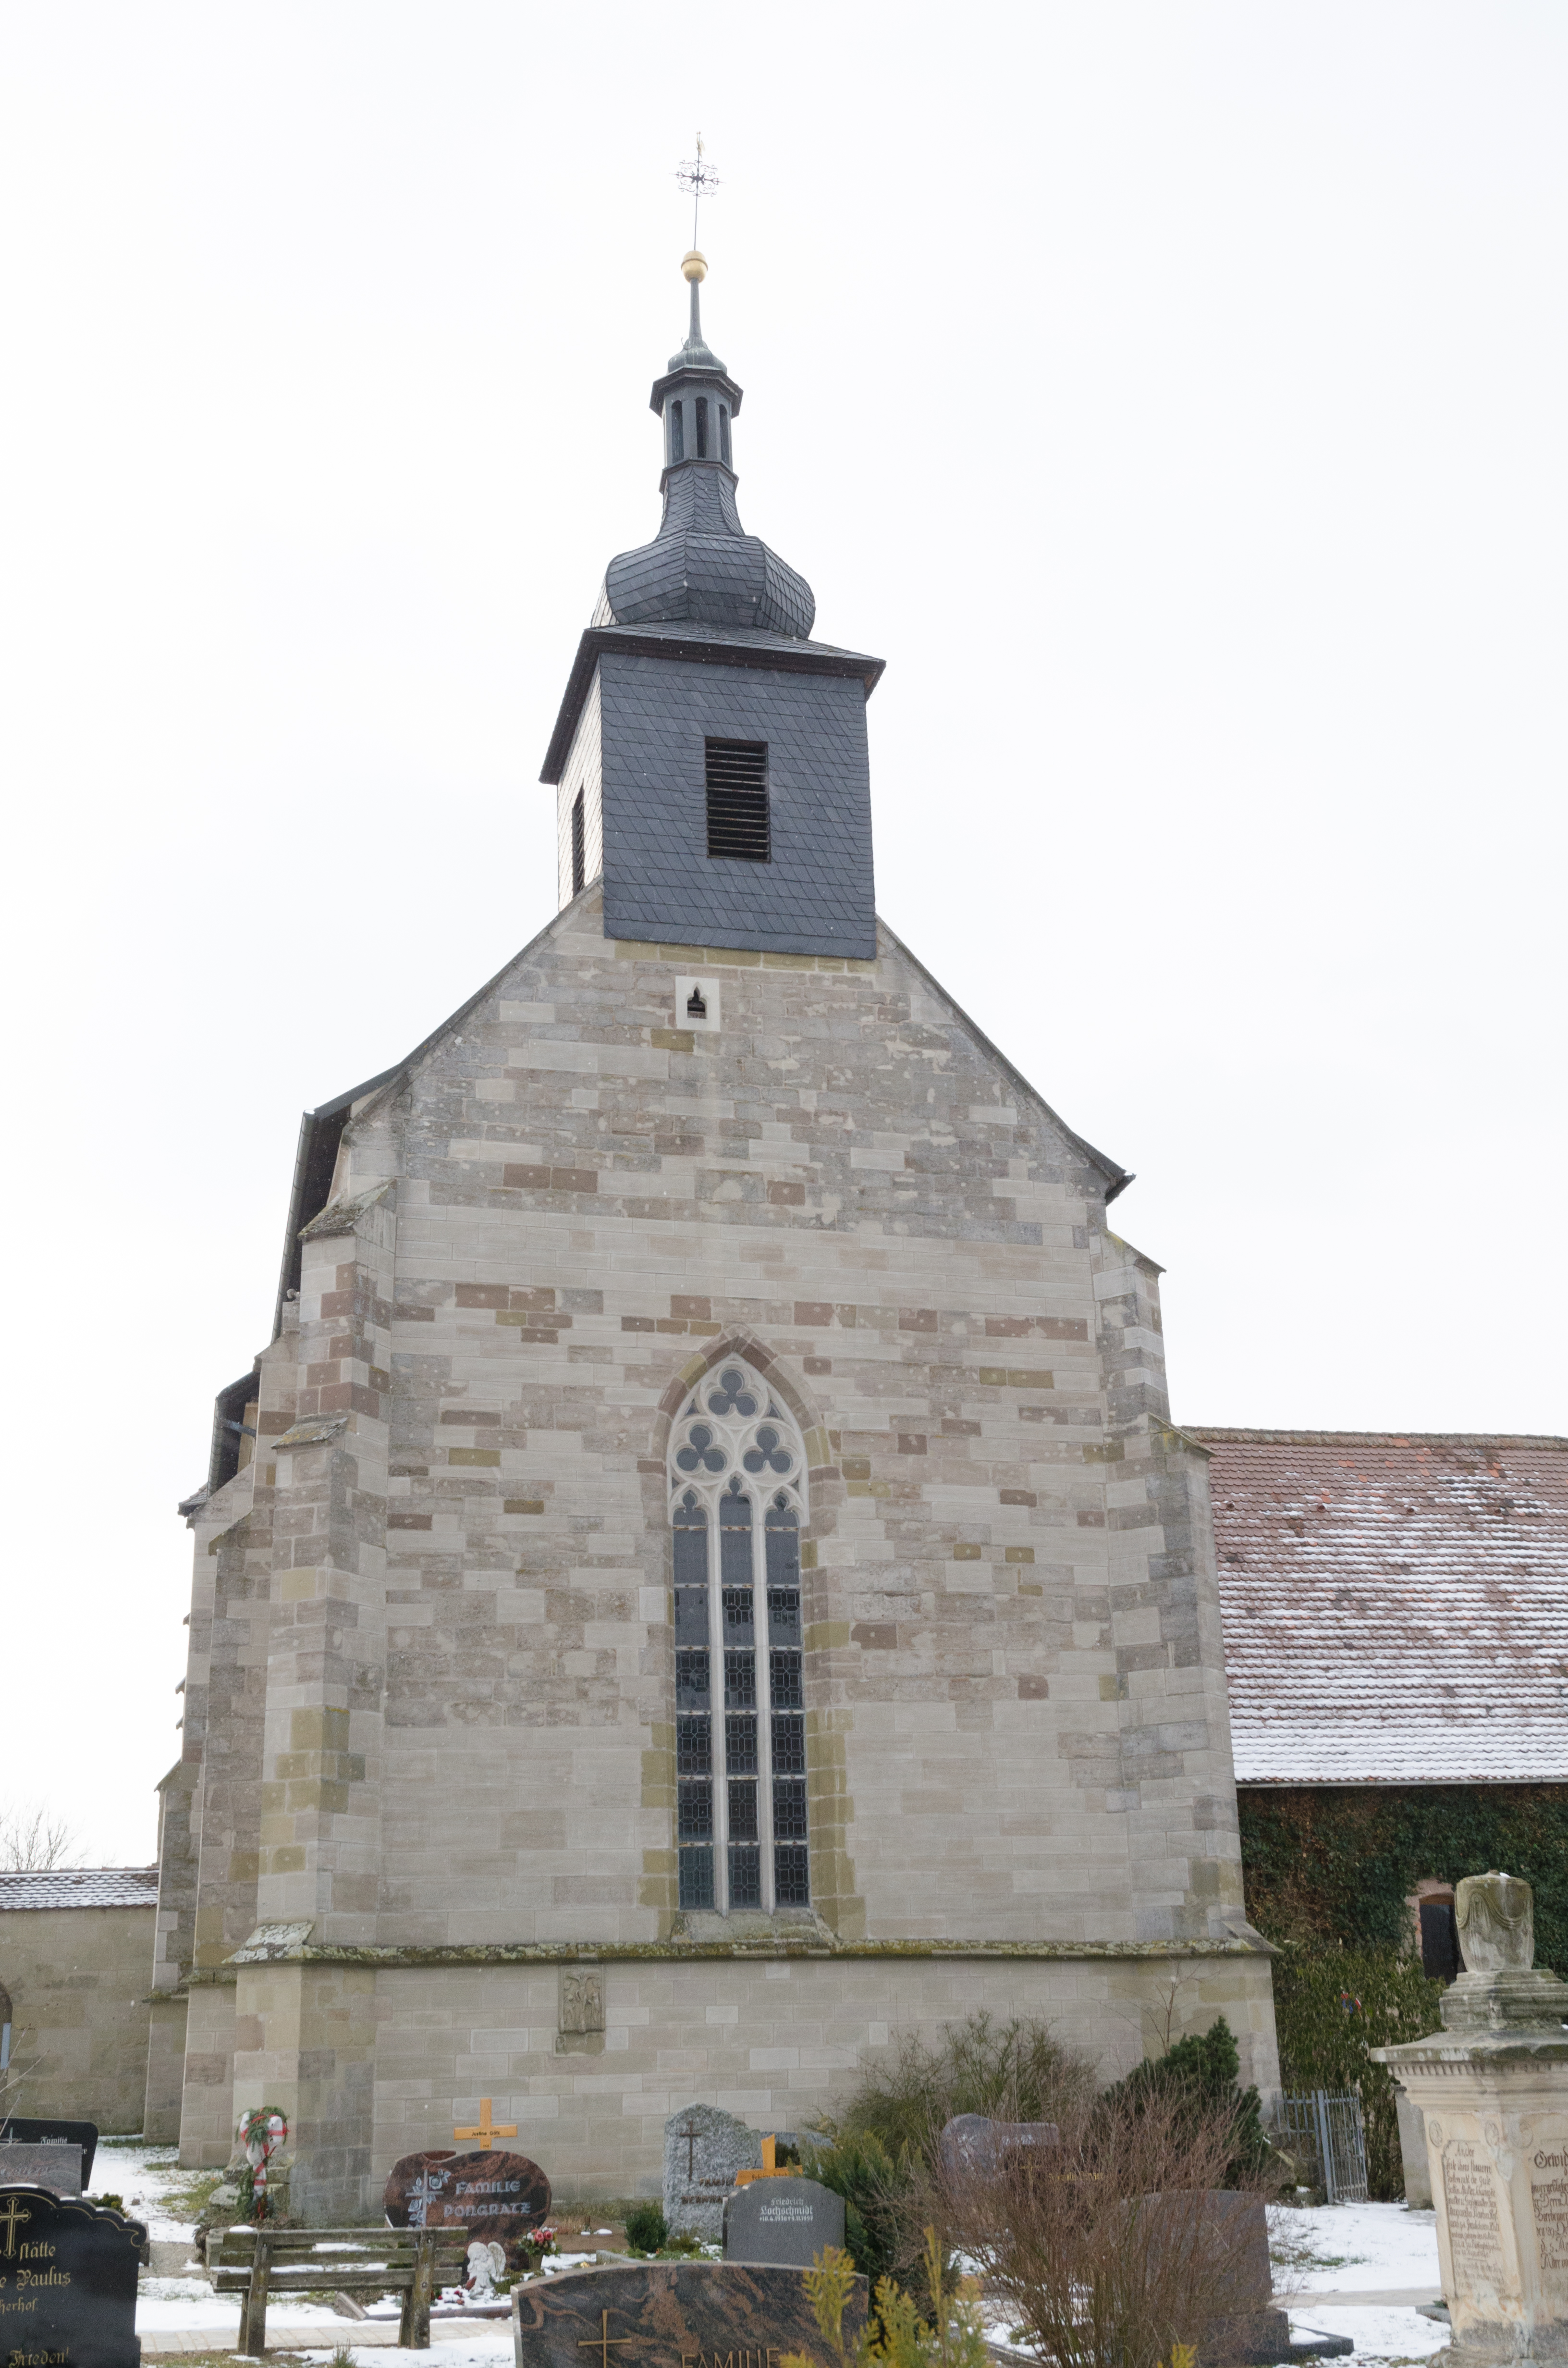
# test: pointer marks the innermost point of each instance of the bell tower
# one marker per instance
(709, 759)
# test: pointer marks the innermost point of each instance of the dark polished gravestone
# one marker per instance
(497, 2197)
(20, 2129)
(67, 2282)
(672, 2315)
(783, 2222)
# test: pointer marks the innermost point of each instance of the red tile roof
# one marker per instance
(1395, 1607)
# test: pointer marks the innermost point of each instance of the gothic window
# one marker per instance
(724, 434)
(678, 434)
(703, 428)
(737, 1500)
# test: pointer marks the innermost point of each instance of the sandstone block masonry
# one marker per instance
(430, 1703)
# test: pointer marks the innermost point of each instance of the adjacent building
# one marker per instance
(75, 1959)
(1396, 1637)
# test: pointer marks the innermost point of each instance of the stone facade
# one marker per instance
(431, 1628)
(76, 1979)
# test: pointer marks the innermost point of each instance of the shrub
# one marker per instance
(1112, 2245)
(1202, 2074)
(1330, 2007)
(1012, 2071)
(897, 2335)
(647, 2230)
(875, 2191)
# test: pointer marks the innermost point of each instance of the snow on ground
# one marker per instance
(1344, 2250)
(141, 2174)
(1346, 2247)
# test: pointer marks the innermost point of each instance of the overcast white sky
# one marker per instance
(1173, 394)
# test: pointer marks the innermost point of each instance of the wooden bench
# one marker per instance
(267, 2264)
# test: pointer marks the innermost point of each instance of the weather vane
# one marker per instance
(696, 175)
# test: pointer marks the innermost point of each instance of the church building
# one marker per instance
(701, 1580)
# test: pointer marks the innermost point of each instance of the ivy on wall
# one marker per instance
(1333, 2006)
(1335, 1865)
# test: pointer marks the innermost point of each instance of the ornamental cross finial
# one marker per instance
(694, 173)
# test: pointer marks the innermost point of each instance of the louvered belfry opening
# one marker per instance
(737, 799)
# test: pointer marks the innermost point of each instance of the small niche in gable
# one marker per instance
(696, 1002)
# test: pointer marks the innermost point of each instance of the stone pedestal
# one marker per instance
(1491, 2091)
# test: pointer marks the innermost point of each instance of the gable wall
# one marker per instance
(1014, 1726)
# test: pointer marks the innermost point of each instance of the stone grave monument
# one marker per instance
(498, 2197)
(55, 2164)
(1491, 2090)
(785, 2222)
(20, 2129)
(68, 2281)
(704, 2149)
(659, 2314)
(974, 2142)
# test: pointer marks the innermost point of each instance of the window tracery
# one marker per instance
(737, 1473)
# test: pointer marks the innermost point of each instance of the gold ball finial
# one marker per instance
(694, 266)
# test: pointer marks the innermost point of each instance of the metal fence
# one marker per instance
(1328, 2135)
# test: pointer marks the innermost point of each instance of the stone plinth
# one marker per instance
(1491, 2090)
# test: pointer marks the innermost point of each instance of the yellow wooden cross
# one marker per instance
(487, 2129)
(770, 2169)
(604, 2343)
(11, 2212)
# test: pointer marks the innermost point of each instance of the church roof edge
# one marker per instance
(734, 645)
(1117, 1178)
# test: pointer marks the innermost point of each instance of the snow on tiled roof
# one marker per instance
(1395, 1608)
(82, 1886)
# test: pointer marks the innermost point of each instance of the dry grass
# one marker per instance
(1112, 2245)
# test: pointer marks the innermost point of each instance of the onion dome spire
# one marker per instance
(702, 566)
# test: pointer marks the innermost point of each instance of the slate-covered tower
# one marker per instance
(710, 756)
(701, 1579)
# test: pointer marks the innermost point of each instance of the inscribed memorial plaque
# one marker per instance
(21, 2129)
(1548, 2205)
(1470, 2197)
(67, 2282)
(672, 2315)
(55, 2166)
(785, 2222)
(974, 2141)
(498, 2197)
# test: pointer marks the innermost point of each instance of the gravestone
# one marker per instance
(54, 2164)
(25, 2130)
(703, 2151)
(67, 2282)
(497, 2197)
(671, 2315)
(784, 2222)
(1491, 2091)
(972, 2142)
